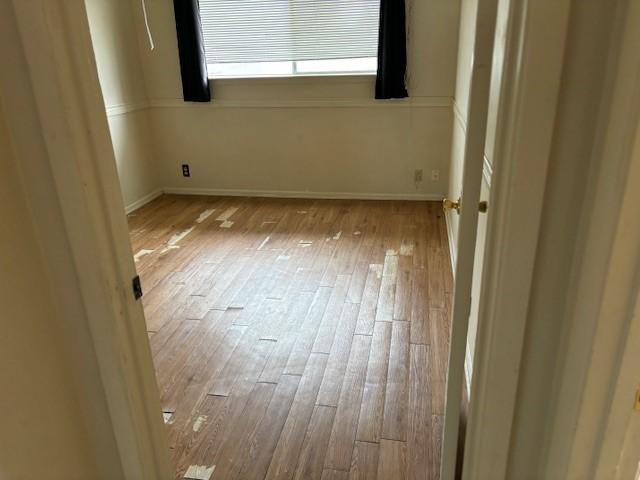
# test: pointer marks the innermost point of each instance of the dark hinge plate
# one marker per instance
(137, 287)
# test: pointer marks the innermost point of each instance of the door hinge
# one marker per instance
(137, 287)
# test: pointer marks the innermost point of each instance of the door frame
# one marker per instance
(533, 49)
(593, 388)
(68, 104)
(56, 101)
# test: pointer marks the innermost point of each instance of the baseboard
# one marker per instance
(142, 201)
(303, 194)
(468, 368)
(451, 242)
(468, 357)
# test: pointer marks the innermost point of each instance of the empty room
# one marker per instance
(284, 208)
(319, 239)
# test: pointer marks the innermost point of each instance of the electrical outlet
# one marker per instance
(417, 176)
(185, 170)
(435, 175)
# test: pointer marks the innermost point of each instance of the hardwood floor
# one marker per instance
(297, 339)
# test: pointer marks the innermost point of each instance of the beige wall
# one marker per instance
(42, 425)
(121, 76)
(321, 135)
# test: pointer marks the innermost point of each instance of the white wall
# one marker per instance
(121, 76)
(323, 135)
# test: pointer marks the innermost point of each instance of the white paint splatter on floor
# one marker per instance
(337, 235)
(377, 268)
(357, 232)
(304, 243)
(204, 215)
(141, 254)
(226, 224)
(168, 417)
(179, 236)
(264, 242)
(406, 249)
(197, 425)
(170, 247)
(199, 472)
(227, 214)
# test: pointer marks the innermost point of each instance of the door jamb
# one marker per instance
(62, 73)
(533, 61)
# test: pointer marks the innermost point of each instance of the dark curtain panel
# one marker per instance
(392, 50)
(193, 64)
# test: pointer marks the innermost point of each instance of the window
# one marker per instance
(254, 38)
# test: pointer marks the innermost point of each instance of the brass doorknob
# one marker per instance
(448, 204)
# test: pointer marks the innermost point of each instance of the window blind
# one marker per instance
(248, 31)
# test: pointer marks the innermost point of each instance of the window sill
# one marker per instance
(350, 75)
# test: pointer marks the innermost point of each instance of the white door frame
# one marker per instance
(593, 385)
(533, 58)
(66, 94)
(62, 106)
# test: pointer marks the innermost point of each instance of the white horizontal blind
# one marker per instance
(249, 31)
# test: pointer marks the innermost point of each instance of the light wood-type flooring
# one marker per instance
(297, 339)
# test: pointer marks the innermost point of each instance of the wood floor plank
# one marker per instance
(304, 342)
(346, 421)
(437, 422)
(314, 447)
(372, 407)
(439, 339)
(402, 301)
(387, 295)
(364, 462)
(285, 457)
(436, 281)
(419, 446)
(328, 474)
(248, 360)
(367, 313)
(420, 331)
(227, 461)
(286, 338)
(392, 461)
(338, 357)
(331, 317)
(394, 425)
(255, 461)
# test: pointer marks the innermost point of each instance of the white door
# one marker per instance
(467, 227)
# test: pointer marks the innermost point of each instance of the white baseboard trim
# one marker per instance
(468, 357)
(468, 368)
(142, 201)
(452, 246)
(303, 194)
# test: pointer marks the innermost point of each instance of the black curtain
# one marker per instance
(193, 64)
(392, 50)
